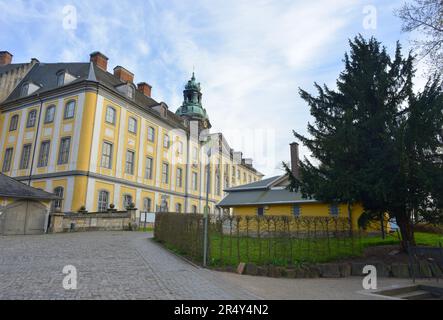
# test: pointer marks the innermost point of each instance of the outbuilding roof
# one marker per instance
(264, 192)
(11, 188)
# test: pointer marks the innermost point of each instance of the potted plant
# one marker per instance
(83, 210)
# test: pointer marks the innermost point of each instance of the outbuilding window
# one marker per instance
(334, 210)
(261, 211)
(296, 210)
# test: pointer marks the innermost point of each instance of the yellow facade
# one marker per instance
(310, 209)
(83, 175)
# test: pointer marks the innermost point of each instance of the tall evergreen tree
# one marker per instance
(375, 140)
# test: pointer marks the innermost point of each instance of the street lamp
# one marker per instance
(206, 212)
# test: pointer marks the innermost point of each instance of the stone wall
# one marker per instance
(80, 222)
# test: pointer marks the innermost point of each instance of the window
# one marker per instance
(151, 134)
(50, 113)
(238, 174)
(165, 172)
(70, 109)
(334, 210)
(147, 204)
(25, 90)
(58, 204)
(7, 160)
(130, 156)
(132, 125)
(26, 153)
(194, 181)
(244, 176)
(166, 141)
(180, 147)
(296, 210)
(194, 209)
(44, 154)
(179, 177)
(148, 168)
(14, 123)
(103, 201)
(178, 207)
(207, 179)
(127, 200)
(107, 155)
(60, 79)
(32, 116)
(261, 211)
(131, 91)
(63, 154)
(217, 183)
(110, 115)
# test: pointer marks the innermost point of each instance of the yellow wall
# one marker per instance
(306, 210)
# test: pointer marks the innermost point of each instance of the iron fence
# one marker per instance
(279, 240)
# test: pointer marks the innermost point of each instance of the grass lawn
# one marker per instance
(283, 251)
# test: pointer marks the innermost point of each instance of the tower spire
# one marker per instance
(192, 108)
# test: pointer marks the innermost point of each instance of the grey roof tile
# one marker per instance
(11, 188)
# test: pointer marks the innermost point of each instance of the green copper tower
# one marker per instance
(192, 108)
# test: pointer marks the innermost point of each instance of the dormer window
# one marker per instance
(131, 92)
(28, 88)
(127, 89)
(25, 90)
(60, 79)
(64, 77)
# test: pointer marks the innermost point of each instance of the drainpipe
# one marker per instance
(36, 139)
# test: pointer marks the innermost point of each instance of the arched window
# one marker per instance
(147, 204)
(32, 116)
(127, 200)
(194, 209)
(178, 207)
(110, 115)
(70, 109)
(103, 201)
(14, 123)
(59, 193)
(50, 113)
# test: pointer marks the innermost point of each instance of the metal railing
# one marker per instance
(278, 240)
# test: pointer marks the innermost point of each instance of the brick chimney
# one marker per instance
(295, 160)
(145, 88)
(5, 58)
(123, 74)
(100, 60)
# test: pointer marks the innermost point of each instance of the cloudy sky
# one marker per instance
(250, 56)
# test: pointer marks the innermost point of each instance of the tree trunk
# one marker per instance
(382, 223)
(406, 230)
(351, 226)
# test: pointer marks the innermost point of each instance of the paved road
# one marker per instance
(129, 265)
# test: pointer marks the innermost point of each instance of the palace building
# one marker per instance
(94, 138)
